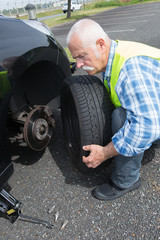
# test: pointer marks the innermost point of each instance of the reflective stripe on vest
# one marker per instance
(123, 52)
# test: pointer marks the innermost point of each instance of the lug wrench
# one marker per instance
(26, 218)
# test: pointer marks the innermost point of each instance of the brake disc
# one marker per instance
(38, 128)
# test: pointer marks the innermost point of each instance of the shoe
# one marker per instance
(109, 191)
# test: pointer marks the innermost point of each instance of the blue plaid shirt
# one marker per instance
(138, 90)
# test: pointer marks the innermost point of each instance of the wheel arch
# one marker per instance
(40, 81)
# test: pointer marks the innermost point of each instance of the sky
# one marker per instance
(9, 4)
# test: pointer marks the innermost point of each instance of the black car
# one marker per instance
(35, 79)
(33, 67)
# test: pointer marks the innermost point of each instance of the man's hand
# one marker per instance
(98, 154)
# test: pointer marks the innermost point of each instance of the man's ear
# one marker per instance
(100, 43)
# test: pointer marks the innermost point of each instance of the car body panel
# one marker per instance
(33, 67)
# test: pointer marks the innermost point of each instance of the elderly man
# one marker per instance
(131, 73)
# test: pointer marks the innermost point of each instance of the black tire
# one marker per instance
(86, 117)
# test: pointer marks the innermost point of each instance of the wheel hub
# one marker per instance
(38, 127)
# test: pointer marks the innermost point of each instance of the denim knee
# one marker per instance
(126, 170)
(118, 119)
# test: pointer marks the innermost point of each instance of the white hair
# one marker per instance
(88, 31)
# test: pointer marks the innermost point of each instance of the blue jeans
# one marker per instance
(126, 170)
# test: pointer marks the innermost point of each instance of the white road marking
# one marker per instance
(146, 15)
(115, 23)
(123, 30)
(130, 12)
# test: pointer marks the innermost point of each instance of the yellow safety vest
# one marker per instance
(123, 52)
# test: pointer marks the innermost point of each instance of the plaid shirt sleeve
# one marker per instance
(138, 90)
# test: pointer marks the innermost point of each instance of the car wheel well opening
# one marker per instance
(39, 85)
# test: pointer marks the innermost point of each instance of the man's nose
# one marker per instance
(79, 63)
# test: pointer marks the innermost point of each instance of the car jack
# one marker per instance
(11, 209)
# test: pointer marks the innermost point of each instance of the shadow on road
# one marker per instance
(24, 155)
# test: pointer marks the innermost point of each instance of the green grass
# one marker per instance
(43, 14)
(117, 3)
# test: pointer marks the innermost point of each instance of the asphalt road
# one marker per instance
(46, 179)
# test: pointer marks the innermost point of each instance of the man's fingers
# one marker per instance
(93, 158)
(86, 150)
(89, 163)
(84, 159)
(87, 147)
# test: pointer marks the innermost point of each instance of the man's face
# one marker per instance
(86, 58)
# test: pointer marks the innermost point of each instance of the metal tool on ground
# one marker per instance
(23, 217)
(11, 209)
